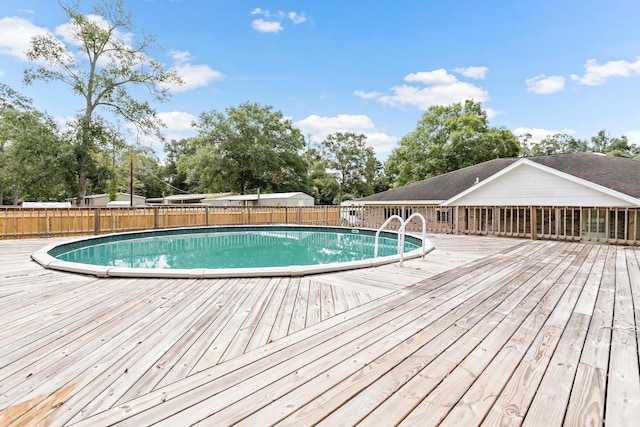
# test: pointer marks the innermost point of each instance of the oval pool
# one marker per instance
(229, 251)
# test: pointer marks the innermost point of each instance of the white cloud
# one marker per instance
(423, 98)
(538, 134)
(177, 120)
(435, 77)
(545, 85)
(633, 136)
(597, 74)
(367, 95)
(15, 36)
(178, 126)
(473, 72)
(259, 11)
(273, 21)
(193, 76)
(297, 18)
(491, 113)
(317, 128)
(436, 87)
(266, 26)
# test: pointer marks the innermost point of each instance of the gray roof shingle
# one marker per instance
(617, 173)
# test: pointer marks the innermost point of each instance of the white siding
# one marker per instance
(526, 185)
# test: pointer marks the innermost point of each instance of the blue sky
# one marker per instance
(374, 67)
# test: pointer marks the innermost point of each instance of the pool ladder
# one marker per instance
(401, 234)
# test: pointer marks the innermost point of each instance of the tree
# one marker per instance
(614, 146)
(33, 159)
(249, 148)
(449, 138)
(110, 59)
(352, 163)
(601, 143)
(554, 144)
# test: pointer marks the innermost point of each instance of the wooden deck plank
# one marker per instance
(493, 331)
(524, 320)
(623, 388)
(480, 396)
(214, 380)
(314, 305)
(76, 343)
(107, 368)
(177, 361)
(254, 310)
(227, 331)
(263, 328)
(587, 402)
(514, 402)
(303, 368)
(384, 376)
(51, 329)
(299, 315)
(281, 324)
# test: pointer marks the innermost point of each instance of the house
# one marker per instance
(268, 199)
(569, 193)
(102, 200)
(185, 199)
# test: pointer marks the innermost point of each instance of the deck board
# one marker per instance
(484, 331)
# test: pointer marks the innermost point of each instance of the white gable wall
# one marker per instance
(526, 185)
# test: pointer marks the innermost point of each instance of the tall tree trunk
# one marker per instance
(83, 183)
(16, 194)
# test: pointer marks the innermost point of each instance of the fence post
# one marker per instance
(155, 217)
(96, 221)
(206, 215)
(534, 223)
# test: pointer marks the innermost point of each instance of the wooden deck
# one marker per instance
(485, 331)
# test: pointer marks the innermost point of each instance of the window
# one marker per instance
(442, 216)
(594, 223)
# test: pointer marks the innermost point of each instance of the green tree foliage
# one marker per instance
(175, 180)
(563, 143)
(553, 144)
(323, 185)
(109, 60)
(449, 138)
(33, 160)
(250, 147)
(351, 162)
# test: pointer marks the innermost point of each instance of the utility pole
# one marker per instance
(131, 182)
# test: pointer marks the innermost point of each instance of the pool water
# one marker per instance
(234, 248)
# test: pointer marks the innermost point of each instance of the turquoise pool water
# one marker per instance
(232, 247)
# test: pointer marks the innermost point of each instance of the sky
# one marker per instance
(372, 67)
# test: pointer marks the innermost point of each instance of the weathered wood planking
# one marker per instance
(492, 331)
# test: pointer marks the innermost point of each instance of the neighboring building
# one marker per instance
(271, 199)
(186, 199)
(573, 179)
(573, 194)
(102, 200)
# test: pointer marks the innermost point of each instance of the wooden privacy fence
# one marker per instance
(596, 224)
(27, 222)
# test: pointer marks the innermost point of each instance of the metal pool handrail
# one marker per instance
(401, 234)
(391, 218)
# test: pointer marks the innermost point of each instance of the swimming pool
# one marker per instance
(230, 251)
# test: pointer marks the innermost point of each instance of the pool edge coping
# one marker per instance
(42, 257)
